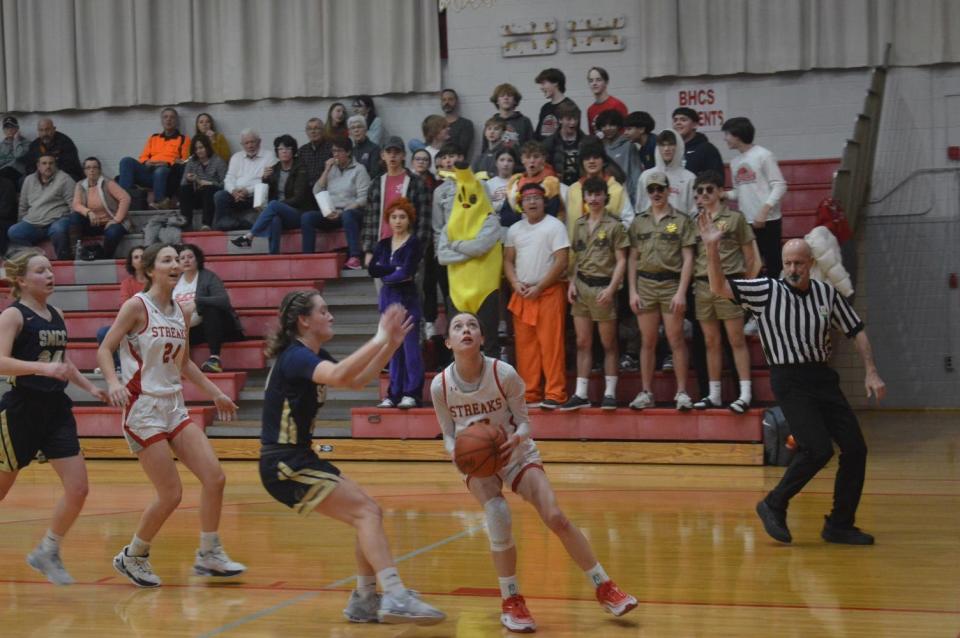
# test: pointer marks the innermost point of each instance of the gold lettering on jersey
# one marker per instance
(474, 409)
(52, 338)
(167, 331)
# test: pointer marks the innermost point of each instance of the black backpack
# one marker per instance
(775, 433)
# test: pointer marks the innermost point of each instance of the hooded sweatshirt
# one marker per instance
(624, 153)
(681, 182)
(702, 156)
(519, 130)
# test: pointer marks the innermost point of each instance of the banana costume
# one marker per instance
(473, 280)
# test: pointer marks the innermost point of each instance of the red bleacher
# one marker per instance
(105, 420)
(236, 355)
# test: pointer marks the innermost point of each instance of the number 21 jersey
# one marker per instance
(151, 359)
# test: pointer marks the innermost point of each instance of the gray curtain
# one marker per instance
(91, 54)
(722, 37)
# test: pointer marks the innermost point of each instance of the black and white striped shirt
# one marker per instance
(794, 324)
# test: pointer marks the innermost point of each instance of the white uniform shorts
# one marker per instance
(152, 418)
(524, 458)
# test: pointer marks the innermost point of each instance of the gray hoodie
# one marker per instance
(681, 182)
(625, 154)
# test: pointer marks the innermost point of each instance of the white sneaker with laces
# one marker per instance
(684, 402)
(50, 565)
(216, 563)
(136, 568)
(387, 403)
(362, 608)
(643, 400)
(406, 403)
(408, 608)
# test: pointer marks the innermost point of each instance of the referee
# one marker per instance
(794, 316)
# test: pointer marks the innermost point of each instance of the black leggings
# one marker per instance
(216, 328)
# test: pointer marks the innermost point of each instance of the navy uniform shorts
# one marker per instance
(296, 476)
(32, 422)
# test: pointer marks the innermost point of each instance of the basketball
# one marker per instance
(477, 449)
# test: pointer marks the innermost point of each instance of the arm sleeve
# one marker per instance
(778, 185)
(437, 221)
(217, 296)
(188, 168)
(485, 240)
(844, 317)
(122, 197)
(447, 427)
(230, 180)
(219, 172)
(560, 238)
(77, 202)
(753, 294)
(363, 187)
(515, 390)
(627, 212)
(407, 269)
(185, 148)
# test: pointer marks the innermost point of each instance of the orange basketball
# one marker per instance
(477, 449)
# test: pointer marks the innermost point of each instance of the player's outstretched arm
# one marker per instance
(76, 377)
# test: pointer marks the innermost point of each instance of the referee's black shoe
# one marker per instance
(844, 535)
(774, 522)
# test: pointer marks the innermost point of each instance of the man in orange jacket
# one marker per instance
(161, 161)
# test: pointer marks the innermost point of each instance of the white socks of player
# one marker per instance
(597, 575)
(390, 581)
(208, 541)
(610, 386)
(509, 586)
(50, 542)
(138, 547)
(582, 383)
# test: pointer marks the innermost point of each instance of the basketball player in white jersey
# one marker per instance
(152, 333)
(477, 388)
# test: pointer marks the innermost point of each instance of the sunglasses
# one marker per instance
(705, 190)
(656, 188)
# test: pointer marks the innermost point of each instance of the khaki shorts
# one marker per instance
(149, 419)
(656, 295)
(711, 307)
(585, 305)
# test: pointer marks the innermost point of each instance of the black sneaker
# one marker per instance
(608, 403)
(242, 241)
(629, 363)
(549, 404)
(575, 402)
(774, 522)
(844, 535)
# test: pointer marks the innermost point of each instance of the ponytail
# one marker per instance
(294, 305)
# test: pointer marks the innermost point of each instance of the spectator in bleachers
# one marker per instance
(52, 142)
(336, 124)
(290, 197)
(161, 163)
(741, 260)
(436, 133)
(364, 152)
(206, 127)
(699, 154)
(316, 152)
(598, 261)
(131, 285)
(597, 80)
(396, 182)
(659, 272)
(248, 168)
(422, 165)
(100, 207)
(620, 149)
(443, 201)
(202, 177)
(669, 160)
(534, 262)
(639, 127)
(13, 150)
(486, 161)
(536, 170)
(212, 318)
(347, 183)
(517, 127)
(758, 187)
(594, 163)
(553, 84)
(395, 261)
(563, 147)
(498, 185)
(45, 200)
(363, 105)
(461, 129)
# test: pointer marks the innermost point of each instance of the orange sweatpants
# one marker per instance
(538, 326)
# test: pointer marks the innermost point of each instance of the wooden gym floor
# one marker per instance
(683, 539)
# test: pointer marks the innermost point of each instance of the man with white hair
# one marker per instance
(364, 152)
(233, 205)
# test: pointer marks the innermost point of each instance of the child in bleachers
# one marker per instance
(395, 261)
(486, 161)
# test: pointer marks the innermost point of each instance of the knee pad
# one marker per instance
(499, 524)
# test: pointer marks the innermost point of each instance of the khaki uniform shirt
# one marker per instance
(594, 254)
(736, 233)
(659, 243)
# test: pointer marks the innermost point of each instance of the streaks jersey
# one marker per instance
(151, 359)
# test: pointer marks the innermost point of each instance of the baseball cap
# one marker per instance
(657, 177)
(394, 141)
(10, 122)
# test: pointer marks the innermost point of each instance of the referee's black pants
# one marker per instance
(818, 414)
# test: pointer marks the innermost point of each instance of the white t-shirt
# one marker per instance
(757, 180)
(186, 291)
(535, 245)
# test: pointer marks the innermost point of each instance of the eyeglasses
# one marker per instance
(656, 188)
(708, 190)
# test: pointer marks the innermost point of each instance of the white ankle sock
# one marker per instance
(582, 383)
(509, 586)
(610, 386)
(209, 540)
(366, 585)
(138, 547)
(715, 392)
(390, 581)
(50, 542)
(746, 391)
(597, 575)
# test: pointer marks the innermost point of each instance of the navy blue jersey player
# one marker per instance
(35, 415)
(294, 475)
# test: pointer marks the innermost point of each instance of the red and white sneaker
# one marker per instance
(614, 600)
(516, 617)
